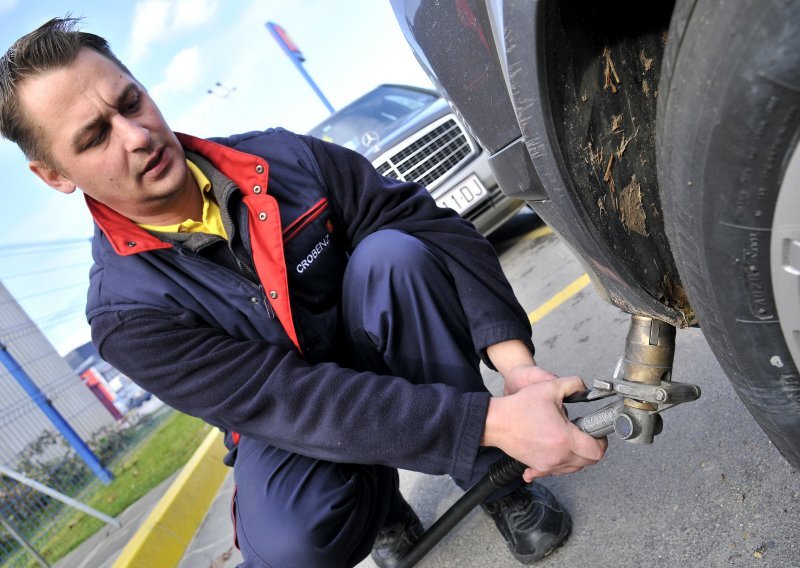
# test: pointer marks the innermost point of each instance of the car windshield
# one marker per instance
(365, 122)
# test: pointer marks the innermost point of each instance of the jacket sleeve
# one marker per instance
(366, 202)
(265, 392)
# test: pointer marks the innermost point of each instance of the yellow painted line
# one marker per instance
(538, 233)
(162, 539)
(565, 294)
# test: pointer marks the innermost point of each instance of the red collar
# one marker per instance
(127, 238)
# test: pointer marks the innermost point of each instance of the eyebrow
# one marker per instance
(89, 128)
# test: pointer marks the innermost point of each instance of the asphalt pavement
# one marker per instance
(711, 491)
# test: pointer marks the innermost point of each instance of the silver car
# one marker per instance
(409, 133)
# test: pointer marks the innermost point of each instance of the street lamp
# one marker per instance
(220, 90)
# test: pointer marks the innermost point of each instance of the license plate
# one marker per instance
(463, 196)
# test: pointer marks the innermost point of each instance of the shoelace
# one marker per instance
(524, 511)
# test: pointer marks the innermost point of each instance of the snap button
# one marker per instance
(262, 216)
(131, 243)
(256, 189)
(273, 294)
(259, 169)
(253, 300)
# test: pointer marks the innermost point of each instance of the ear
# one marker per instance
(51, 177)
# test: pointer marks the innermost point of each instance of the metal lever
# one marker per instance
(616, 417)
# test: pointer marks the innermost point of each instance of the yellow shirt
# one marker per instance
(211, 222)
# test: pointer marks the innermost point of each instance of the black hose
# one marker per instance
(500, 474)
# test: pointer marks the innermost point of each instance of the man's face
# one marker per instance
(106, 136)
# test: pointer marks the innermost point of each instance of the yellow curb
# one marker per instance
(163, 537)
(565, 294)
(538, 233)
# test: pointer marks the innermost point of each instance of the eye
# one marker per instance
(98, 137)
(132, 104)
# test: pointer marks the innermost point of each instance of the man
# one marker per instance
(329, 320)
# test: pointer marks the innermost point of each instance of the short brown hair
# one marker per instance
(53, 45)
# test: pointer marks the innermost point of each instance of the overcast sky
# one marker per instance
(179, 49)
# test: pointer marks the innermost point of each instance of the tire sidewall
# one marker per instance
(729, 117)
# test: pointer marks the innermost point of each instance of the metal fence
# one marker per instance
(36, 517)
(46, 416)
(53, 420)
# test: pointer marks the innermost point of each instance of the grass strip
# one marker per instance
(155, 458)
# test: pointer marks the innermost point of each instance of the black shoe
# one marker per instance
(394, 542)
(531, 521)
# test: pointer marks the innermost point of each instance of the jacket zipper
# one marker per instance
(258, 287)
(242, 265)
(230, 227)
(305, 220)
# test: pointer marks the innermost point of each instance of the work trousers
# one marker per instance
(402, 317)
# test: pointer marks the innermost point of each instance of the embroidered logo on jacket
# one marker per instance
(305, 264)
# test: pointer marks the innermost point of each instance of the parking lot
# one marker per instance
(711, 491)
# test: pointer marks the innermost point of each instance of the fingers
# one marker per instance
(583, 451)
(589, 449)
(570, 385)
(532, 473)
(569, 461)
(548, 442)
(585, 446)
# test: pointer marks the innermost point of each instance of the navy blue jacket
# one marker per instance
(239, 332)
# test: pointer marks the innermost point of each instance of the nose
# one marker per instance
(134, 135)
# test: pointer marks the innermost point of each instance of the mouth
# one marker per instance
(156, 164)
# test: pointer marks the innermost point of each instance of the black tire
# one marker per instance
(728, 124)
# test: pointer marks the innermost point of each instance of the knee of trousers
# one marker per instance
(402, 312)
(391, 272)
(394, 254)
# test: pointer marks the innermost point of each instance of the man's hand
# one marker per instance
(514, 361)
(532, 426)
(523, 376)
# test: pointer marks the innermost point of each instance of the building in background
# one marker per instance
(60, 425)
(23, 426)
(113, 389)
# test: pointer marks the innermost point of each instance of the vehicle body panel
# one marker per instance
(498, 65)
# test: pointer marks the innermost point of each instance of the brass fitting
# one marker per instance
(649, 350)
(649, 353)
